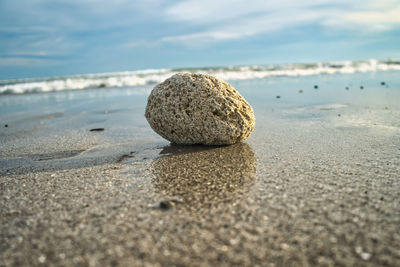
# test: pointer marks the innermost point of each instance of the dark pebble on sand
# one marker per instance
(347, 88)
(361, 87)
(6, 125)
(165, 205)
(278, 96)
(339, 115)
(300, 91)
(97, 129)
(383, 83)
(315, 86)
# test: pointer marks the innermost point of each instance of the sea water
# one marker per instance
(380, 89)
(154, 76)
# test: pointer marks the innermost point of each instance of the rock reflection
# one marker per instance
(204, 176)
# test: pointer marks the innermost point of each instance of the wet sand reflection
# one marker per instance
(204, 176)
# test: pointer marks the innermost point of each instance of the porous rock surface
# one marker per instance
(199, 109)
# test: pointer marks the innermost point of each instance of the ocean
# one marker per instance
(154, 76)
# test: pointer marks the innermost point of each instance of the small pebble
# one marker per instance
(278, 96)
(339, 115)
(285, 246)
(97, 129)
(165, 205)
(365, 256)
(361, 87)
(347, 88)
(42, 259)
(6, 125)
(383, 83)
(300, 91)
(168, 203)
(315, 86)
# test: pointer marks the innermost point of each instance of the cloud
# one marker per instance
(225, 20)
(73, 15)
(368, 20)
(211, 11)
(37, 43)
(26, 62)
(249, 26)
(135, 44)
(66, 28)
(29, 53)
(38, 31)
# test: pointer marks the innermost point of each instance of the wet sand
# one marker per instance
(315, 184)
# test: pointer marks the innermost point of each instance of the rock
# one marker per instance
(199, 109)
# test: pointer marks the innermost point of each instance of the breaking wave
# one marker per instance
(154, 76)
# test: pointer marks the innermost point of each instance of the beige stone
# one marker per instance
(199, 109)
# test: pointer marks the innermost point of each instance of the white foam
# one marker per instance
(153, 76)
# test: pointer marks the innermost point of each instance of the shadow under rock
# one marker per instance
(202, 176)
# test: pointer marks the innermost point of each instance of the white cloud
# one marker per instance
(211, 11)
(246, 27)
(47, 27)
(26, 29)
(39, 44)
(381, 20)
(26, 62)
(380, 4)
(233, 19)
(374, 17)
(135, 44)
(38, 28)
(75, 15)
(29, 53)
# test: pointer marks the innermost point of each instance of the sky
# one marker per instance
(40, 38)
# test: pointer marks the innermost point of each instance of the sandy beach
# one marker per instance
(316, 184)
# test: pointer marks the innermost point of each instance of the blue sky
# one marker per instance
(61, 37)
